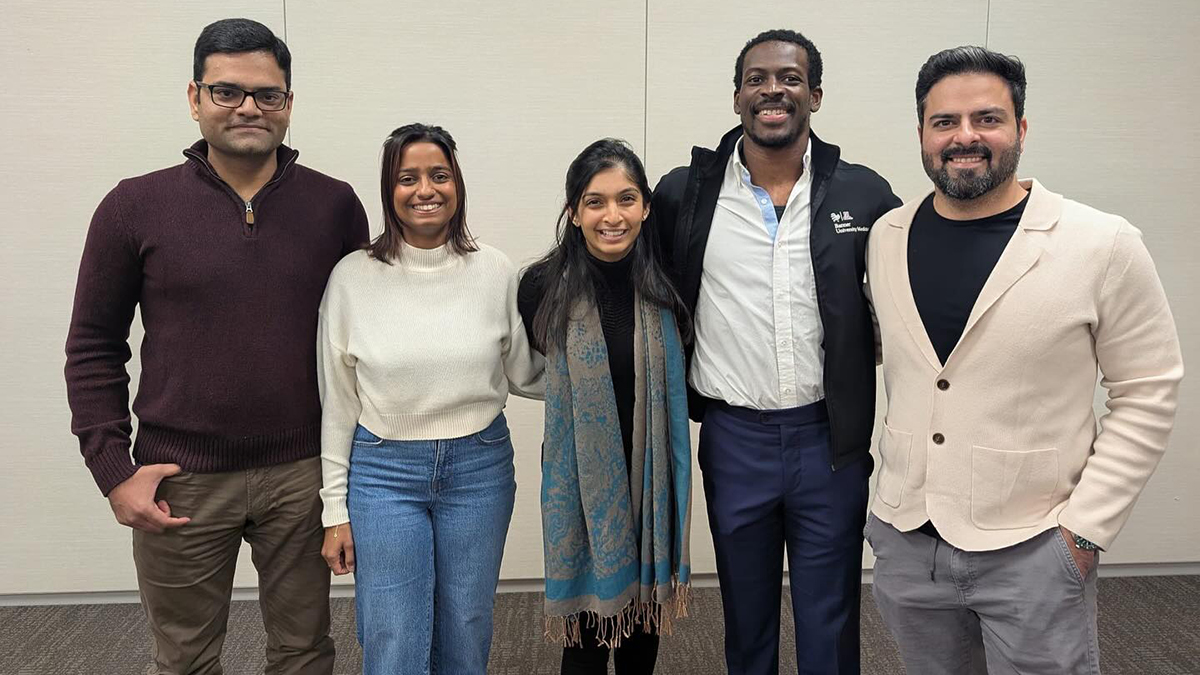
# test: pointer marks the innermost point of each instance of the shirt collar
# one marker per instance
(743, 173)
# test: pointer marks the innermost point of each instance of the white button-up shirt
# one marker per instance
(758, 328)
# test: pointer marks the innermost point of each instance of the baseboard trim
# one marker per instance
(700, 580)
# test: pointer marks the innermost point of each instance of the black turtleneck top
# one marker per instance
(614, 300)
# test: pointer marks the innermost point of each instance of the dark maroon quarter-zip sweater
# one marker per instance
(228, 292)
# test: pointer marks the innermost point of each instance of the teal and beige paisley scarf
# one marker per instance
(616, 543)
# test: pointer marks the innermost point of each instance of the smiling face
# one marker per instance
(610, 214)
(971, 140)
(775, 101)
(425, 197)
(244, 131)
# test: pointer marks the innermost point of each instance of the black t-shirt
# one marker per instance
(614, 300)
(949, 261)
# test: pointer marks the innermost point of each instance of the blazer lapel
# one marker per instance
(896, 255)
(1018, 257)
(1021, 254)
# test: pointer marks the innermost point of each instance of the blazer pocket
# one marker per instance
(1011, 489)
(894, 450)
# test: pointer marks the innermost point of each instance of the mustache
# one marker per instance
(787, 106)
(959, 151)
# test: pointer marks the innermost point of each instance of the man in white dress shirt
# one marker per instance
(765, 238)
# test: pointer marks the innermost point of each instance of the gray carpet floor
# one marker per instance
(1148, 626)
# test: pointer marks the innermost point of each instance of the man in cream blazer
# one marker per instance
(997, 301)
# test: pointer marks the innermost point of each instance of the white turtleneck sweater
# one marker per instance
(425, 348)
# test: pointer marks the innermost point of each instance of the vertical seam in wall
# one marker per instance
(646, 85)
(987, 28)
(285, 39)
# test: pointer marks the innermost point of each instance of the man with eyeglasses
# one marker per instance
(227, 255)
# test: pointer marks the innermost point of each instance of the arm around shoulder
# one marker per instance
(524, 366)
(887, 197)
(664, 214)
(887, 202)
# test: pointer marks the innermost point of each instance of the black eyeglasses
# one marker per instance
(267, 100)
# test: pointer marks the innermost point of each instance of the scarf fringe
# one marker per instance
(655, 617)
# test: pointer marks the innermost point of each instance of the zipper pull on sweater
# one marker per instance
(249, 213)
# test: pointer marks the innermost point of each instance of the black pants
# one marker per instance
(636, 655)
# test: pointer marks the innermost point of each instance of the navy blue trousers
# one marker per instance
(769, 481)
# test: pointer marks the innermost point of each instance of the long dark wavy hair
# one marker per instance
(566, 274)
(386, 247)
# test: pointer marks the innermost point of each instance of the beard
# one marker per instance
(971, 184)
(776, 141)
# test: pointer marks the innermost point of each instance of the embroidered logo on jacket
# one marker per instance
(844, 222)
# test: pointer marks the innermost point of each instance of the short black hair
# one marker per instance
(972, 59)
(236, 36)
(781, 35)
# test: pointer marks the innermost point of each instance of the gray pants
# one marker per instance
(1019, 610)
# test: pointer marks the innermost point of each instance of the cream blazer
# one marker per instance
(1001, 443)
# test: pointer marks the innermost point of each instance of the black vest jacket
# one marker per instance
(847, 199)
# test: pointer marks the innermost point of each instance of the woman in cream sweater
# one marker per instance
(420, 342)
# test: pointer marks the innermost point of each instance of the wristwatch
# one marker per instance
(1084, 545)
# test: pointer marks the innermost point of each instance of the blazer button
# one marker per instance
(943, 385)
(938, 439)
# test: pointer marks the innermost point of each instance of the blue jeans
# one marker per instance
(429, 520)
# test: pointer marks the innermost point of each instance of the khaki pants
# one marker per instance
(1021, 610)
(186, 574)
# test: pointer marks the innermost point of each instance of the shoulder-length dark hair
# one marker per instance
(565, 273)
(386, 247)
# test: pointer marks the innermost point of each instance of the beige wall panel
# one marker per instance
(520, 102)
(1111, 105)
(95, 93)
(871, 52)
(523, 87)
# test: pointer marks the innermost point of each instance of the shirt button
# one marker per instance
(938, 439)
(943, 385)
(763, 202)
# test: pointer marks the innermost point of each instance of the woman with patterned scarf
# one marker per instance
(616, 456)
